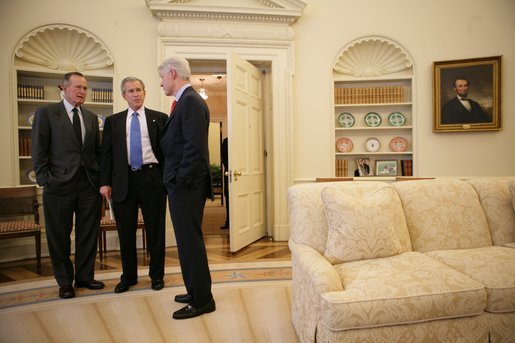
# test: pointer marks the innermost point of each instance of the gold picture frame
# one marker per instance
(454, 82)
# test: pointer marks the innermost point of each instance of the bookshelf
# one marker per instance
(37, 74)
(373, 112)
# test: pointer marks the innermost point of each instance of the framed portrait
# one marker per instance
(364, 167)
(386, 168)
(467, 95)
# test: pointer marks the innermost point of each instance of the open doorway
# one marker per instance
(248, 156)
(209, 78)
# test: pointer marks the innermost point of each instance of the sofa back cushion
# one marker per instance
(496, 199)
(362, 227)
(308, 223)
(443, 214)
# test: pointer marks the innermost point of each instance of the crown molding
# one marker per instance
(257, 11)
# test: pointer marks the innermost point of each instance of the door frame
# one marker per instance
(278, 112)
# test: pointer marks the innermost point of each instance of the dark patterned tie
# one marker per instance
(76, 125)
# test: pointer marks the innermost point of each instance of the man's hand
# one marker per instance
(106, 192)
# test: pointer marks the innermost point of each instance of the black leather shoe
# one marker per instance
(183, 298)
(66, 292)
(191, 312)
(91, 284)
(158, 285)
(124, 286)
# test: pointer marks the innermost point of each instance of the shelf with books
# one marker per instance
(40, 88)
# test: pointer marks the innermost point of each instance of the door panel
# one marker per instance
(246, 153)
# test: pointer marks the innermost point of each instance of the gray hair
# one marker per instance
(177, 63)
(130, 79)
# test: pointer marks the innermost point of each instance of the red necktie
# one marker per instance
(173, 106)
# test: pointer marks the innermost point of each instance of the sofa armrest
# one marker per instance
(312, 275)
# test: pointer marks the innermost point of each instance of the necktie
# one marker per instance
(173, 106)
(136, 158)
(76, 125)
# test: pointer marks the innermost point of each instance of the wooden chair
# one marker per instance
(17, 204)
(108, 224)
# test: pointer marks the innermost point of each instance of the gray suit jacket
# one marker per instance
(56, 151)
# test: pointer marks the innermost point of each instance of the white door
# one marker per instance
(246, 153)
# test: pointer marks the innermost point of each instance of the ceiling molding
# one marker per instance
(262, 11)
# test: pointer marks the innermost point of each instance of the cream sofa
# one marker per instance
(412, 261)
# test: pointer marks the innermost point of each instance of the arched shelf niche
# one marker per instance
(374, 115)
(40, 59)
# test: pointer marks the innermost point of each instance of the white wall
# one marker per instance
(435, 30)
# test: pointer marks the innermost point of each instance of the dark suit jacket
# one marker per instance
(56, 151)
(453, 112)
(185, 142)
(114, 170)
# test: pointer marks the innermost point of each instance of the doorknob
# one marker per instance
(236, 173)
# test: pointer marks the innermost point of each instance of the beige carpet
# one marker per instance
(253, 305)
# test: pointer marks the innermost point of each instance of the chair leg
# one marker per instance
(37, 238)
(104, 237)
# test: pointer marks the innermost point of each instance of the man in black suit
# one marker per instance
(460, 109)
(65, 156)
(225, 164)
(131, 175)
(187, 179)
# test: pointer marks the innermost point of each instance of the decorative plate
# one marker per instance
(30, 118)
(101, 121)
(344, 144)
(373, 119)
(31, 176)
(346, 119)
(372, 144)
(396, 119)
(399, 144)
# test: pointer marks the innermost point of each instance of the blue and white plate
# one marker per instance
(101, 120)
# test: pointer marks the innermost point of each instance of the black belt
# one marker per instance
(145, 166)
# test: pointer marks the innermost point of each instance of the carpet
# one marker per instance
(253, 305)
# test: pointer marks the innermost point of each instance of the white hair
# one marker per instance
(177, 63)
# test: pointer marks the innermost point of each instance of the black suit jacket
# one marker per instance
(114, 170)
(453, 112)
(185, 142)
(56, 150)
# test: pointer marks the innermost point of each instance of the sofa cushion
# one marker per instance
(497, 201)
(402, 289)
(362, 227)
(493, 267)
(443, 214)
(512, 191)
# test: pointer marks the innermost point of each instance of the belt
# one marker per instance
(145, 166)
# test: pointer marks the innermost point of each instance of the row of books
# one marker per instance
(33, 92)
(342, 168)
(101, 95)
(370, 95)
(25, 146)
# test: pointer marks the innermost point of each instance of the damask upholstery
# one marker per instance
(362, 227)
(449, 282)
(493, 267)
(496, 200)
(443, 215)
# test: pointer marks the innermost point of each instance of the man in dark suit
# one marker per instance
(131, 175)
(65, 156)
(187, 179)
(460, 109)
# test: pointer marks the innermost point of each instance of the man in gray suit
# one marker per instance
(65, 156)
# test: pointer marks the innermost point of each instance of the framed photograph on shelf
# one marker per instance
(467, 95)
(364, 167)
(386, 167)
